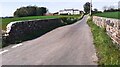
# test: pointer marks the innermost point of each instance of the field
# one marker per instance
(115, 15)
(8, 20)
(107, 52)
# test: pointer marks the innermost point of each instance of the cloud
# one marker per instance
(0, 10)
(115, 4)
(58, 0)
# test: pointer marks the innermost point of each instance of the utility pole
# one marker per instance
(91, 7)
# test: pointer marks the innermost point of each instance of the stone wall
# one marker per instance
(24, 30)
(112, 27)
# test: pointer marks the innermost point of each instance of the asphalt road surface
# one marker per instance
(68, 45)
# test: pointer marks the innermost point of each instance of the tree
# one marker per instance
(30, 11)
(87, 7)
(110, 9)
(41, 10)
(105, 8)
(95, 10)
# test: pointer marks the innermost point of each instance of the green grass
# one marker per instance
(109, 14)
(8, 20)
(107, 52)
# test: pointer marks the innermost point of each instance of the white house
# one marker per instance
(69, 11)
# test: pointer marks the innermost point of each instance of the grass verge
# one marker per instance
(107, 52)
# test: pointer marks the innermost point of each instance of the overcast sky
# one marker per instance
(7, 7)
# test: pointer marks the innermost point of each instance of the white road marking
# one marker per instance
(3, 51)
(17, 45)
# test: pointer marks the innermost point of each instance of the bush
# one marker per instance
(69, 20)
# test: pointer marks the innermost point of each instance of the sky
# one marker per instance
(8, 7)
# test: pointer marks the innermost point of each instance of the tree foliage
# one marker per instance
(87, 7)
(30, 11)
(110, 9)
(96, 11)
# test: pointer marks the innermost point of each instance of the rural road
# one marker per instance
(68, 45)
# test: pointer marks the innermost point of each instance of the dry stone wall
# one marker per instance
(23, 30)
(112, 27)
